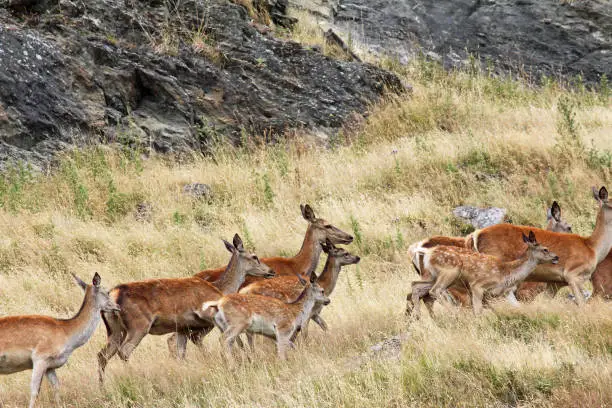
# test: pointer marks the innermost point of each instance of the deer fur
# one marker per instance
(483, 274)
(460, 294)
(578, 256)
(162, 306)
(286, 288)
(44, 344)
(270, 317)
(304, 263)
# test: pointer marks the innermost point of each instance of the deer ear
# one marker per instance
(595, 194)
(313, 278)
(603, 194)
(555, 211)
(238, 243)
(532, 237)
(79, 281)
(307, 213)
(96, 280)
(229, 246)
(525, 238)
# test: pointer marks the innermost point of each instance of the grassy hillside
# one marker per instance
(464, 137)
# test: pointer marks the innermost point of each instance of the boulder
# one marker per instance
(480, 217)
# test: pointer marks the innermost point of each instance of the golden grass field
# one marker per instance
(463, 137)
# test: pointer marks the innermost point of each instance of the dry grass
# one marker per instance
(461, 138)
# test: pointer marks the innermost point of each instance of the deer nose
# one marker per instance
(357, 258)
(555, 260)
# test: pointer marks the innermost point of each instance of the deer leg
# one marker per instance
(477, 295)
(419, 290)
(576, 287)
(54, 381)
(282, 342)
(177, 343)
(131, 341)
(319, 320)
(231, 334)
(511, 297)
(438, 290)
(115, 336)
(38, 370)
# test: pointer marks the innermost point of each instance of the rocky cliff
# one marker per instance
(171, 76)
(550, 37)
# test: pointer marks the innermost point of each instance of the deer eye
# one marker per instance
(328, 226)
(255, 258)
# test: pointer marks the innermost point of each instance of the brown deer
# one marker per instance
(578, 256)
(526, 290)
(483, 274)
(602, 278)
(287, 288)
(162, 306)
(270, 317)
(44, 344)
(304, 263)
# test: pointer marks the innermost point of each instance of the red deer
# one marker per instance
(287, 288)
(270, 317)
(162, 306)
(44, 344)
(304, 263)
(483, 274)
(526, 290)
(578, 256)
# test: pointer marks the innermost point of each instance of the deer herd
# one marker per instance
(277, 297)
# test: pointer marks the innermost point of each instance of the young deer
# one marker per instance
(578, 256)
(460, 294)
(304, 263)
(162, 306)
(287, 288)
(483, 274)
(43, 343)
(264, 315)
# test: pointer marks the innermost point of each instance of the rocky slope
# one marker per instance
(169, 76)
(548, 37)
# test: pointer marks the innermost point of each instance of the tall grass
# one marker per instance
(462, 137)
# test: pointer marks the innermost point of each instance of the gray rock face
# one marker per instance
(86, 72)
(480, 217)
(198, 190)
(539, 36)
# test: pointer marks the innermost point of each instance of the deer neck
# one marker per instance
(302, 308)
(328, 278)
(232, 278)
(83, 325)
(517, 270)
(308, 257)
(601, 238)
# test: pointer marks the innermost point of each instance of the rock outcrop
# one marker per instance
(549, 37)
(135, 72)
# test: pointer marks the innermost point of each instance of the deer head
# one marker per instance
(602, 199)
(323, 230)
(248, 261)
(539, 252)
(341, 255)
(555, 223)
(102, 300)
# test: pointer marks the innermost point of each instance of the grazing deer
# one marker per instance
(578, 256)
(162, 306)
(287, 288)
(483, 274)
(43, 343)
(460, 294)
(304, 263)
(264, 315)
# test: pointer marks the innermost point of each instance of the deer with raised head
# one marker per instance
(460, 294)
(578, 256)
(287, 288)
(267, 316)
(304, 263)
(44, 344)
(162, 306)
(482, 274)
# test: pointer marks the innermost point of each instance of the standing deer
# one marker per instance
(304, 263)
(460, 294)
(44, 344)
(162, 306)
(578, 256)
(483, 274)
(270, 317)
(287, 288)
